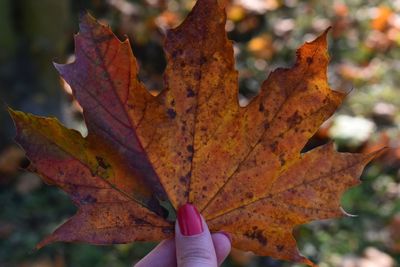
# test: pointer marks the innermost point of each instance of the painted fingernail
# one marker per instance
(189, 220)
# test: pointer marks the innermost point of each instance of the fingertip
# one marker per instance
(227, 236)
(222, 246)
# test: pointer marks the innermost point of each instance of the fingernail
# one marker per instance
(189, 220)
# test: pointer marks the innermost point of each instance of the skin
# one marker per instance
(202, 250)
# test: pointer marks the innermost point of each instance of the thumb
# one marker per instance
(194, 244)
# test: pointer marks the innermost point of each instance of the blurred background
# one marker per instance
(365, 49)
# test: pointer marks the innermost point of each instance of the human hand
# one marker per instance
(193, 245)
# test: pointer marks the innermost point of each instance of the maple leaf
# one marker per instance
(241, 166)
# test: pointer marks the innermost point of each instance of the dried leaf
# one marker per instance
(241, 166)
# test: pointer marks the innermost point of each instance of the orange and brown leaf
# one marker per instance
(241, 166)
(107, 213)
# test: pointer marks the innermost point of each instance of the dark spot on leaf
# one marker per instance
(190, 92)
(102, 168)
(172, 102)
(280, 248)
(274, 146)
(176, 53)
(202, 60)
(183, 180)
(258, 235)
(294, 119)
(171, 113)
(105, 75)
(282, 159)
(139, 221)
(309, 60)
(261, 108)
(190, 148)
(189, 110)
(88, 200)
(249, 195)
(102, 163)
(204, 188)
(197, 75)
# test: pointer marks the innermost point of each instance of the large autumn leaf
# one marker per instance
(241, 166)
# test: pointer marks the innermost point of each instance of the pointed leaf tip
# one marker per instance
(10, 110)
(322, 38)
(82, 14)
(4, 105)
(379, 152)
(58, 66)
(85, 16)
(324, 35)
(46, 241)
(345, 213)
(16, 115)
(375, 154)
(87, 22)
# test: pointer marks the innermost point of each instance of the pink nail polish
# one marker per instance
(189, 220)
